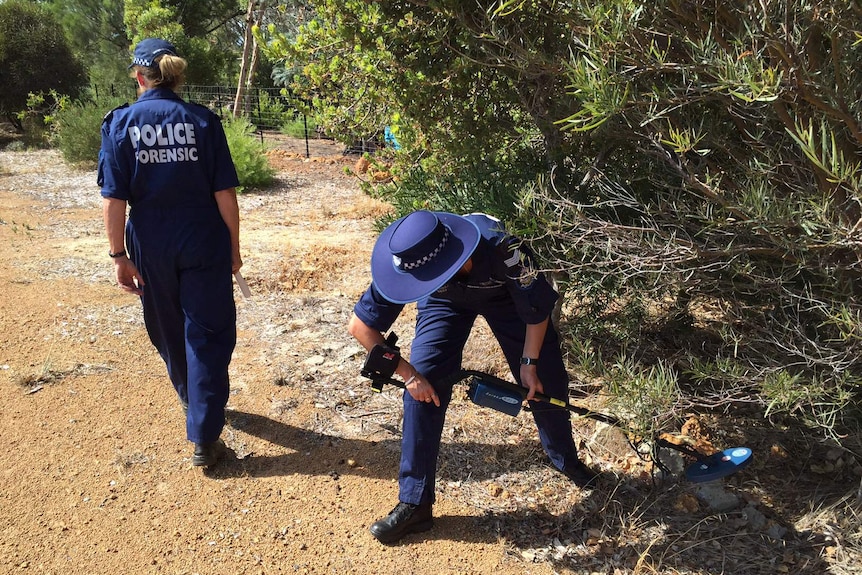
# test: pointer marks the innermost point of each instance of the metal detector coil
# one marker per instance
(719, 465)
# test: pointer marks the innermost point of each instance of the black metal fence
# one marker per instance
(269, 109)
(274, 113)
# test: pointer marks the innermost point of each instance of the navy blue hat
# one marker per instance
(149, 49)
(415, 255)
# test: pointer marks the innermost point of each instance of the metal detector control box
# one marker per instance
(489, 395)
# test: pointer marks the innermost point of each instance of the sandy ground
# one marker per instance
(96, 468)
(96, 474)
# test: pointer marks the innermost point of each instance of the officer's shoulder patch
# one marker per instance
(508, 247)
(519, 264)
(110, 114)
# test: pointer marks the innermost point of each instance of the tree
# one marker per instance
(201, 31)
(97, 36)
(693, 153)
(250, 51)
(722, 164)
(432, 65)
(34, 57)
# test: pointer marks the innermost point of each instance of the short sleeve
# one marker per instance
(375, 311)
(111, 177)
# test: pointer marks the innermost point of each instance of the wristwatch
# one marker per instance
(529, 361)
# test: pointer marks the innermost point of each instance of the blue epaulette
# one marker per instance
(110, 114)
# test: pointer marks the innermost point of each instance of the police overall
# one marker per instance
(166, 158)
(503, 288)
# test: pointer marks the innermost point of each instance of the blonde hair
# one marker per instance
(168, 71)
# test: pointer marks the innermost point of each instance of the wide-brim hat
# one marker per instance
(148, 49)
(415, 255)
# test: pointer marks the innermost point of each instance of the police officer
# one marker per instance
(457, 268)
(169, 161)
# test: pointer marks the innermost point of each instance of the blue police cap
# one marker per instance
(149, 49)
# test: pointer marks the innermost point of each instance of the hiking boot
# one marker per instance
(208, 454)
(404, 519)
(580, 474)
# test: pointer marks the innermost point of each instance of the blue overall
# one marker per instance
(503, 288)
(166, 158)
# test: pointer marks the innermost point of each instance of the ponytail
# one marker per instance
(168, 71)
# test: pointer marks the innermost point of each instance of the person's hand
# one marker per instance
(420, 390)
(236, 262)
(128, 277)
(530, 380)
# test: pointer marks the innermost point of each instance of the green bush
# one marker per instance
(76, 128)
(463, 186)
(252, 165)
(270, 112)
(298, 125)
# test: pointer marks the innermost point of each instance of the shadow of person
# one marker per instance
(312, 453)
(304, 452)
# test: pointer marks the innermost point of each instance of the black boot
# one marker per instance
(580, 474)
(208, 454)
(404, 519)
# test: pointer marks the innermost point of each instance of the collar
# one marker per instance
(481, 269)
(159, 94)
(481, 262)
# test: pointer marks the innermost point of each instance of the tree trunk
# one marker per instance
(255, 51)
(248, 42)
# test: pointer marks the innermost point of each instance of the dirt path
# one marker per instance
(96, 474)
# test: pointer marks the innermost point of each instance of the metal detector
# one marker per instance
(487, 390)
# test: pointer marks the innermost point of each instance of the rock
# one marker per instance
(314, 360)
(755, 519)
(714, 495)
(776, 532)
(686, 503)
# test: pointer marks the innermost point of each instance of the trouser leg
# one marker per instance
(210, 334)
(553, 423)
(206, 296)
(190, 313)
(436, 353)
(163, 314)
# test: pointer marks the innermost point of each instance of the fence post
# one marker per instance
(259, 116)
(305, 129)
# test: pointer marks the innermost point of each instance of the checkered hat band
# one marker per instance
(148, 62)
(408, 266)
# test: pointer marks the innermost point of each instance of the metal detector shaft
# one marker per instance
(377, 385)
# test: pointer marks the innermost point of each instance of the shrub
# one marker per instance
(270, 112)
(252, 165)
(76, 127)
(298, 125)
